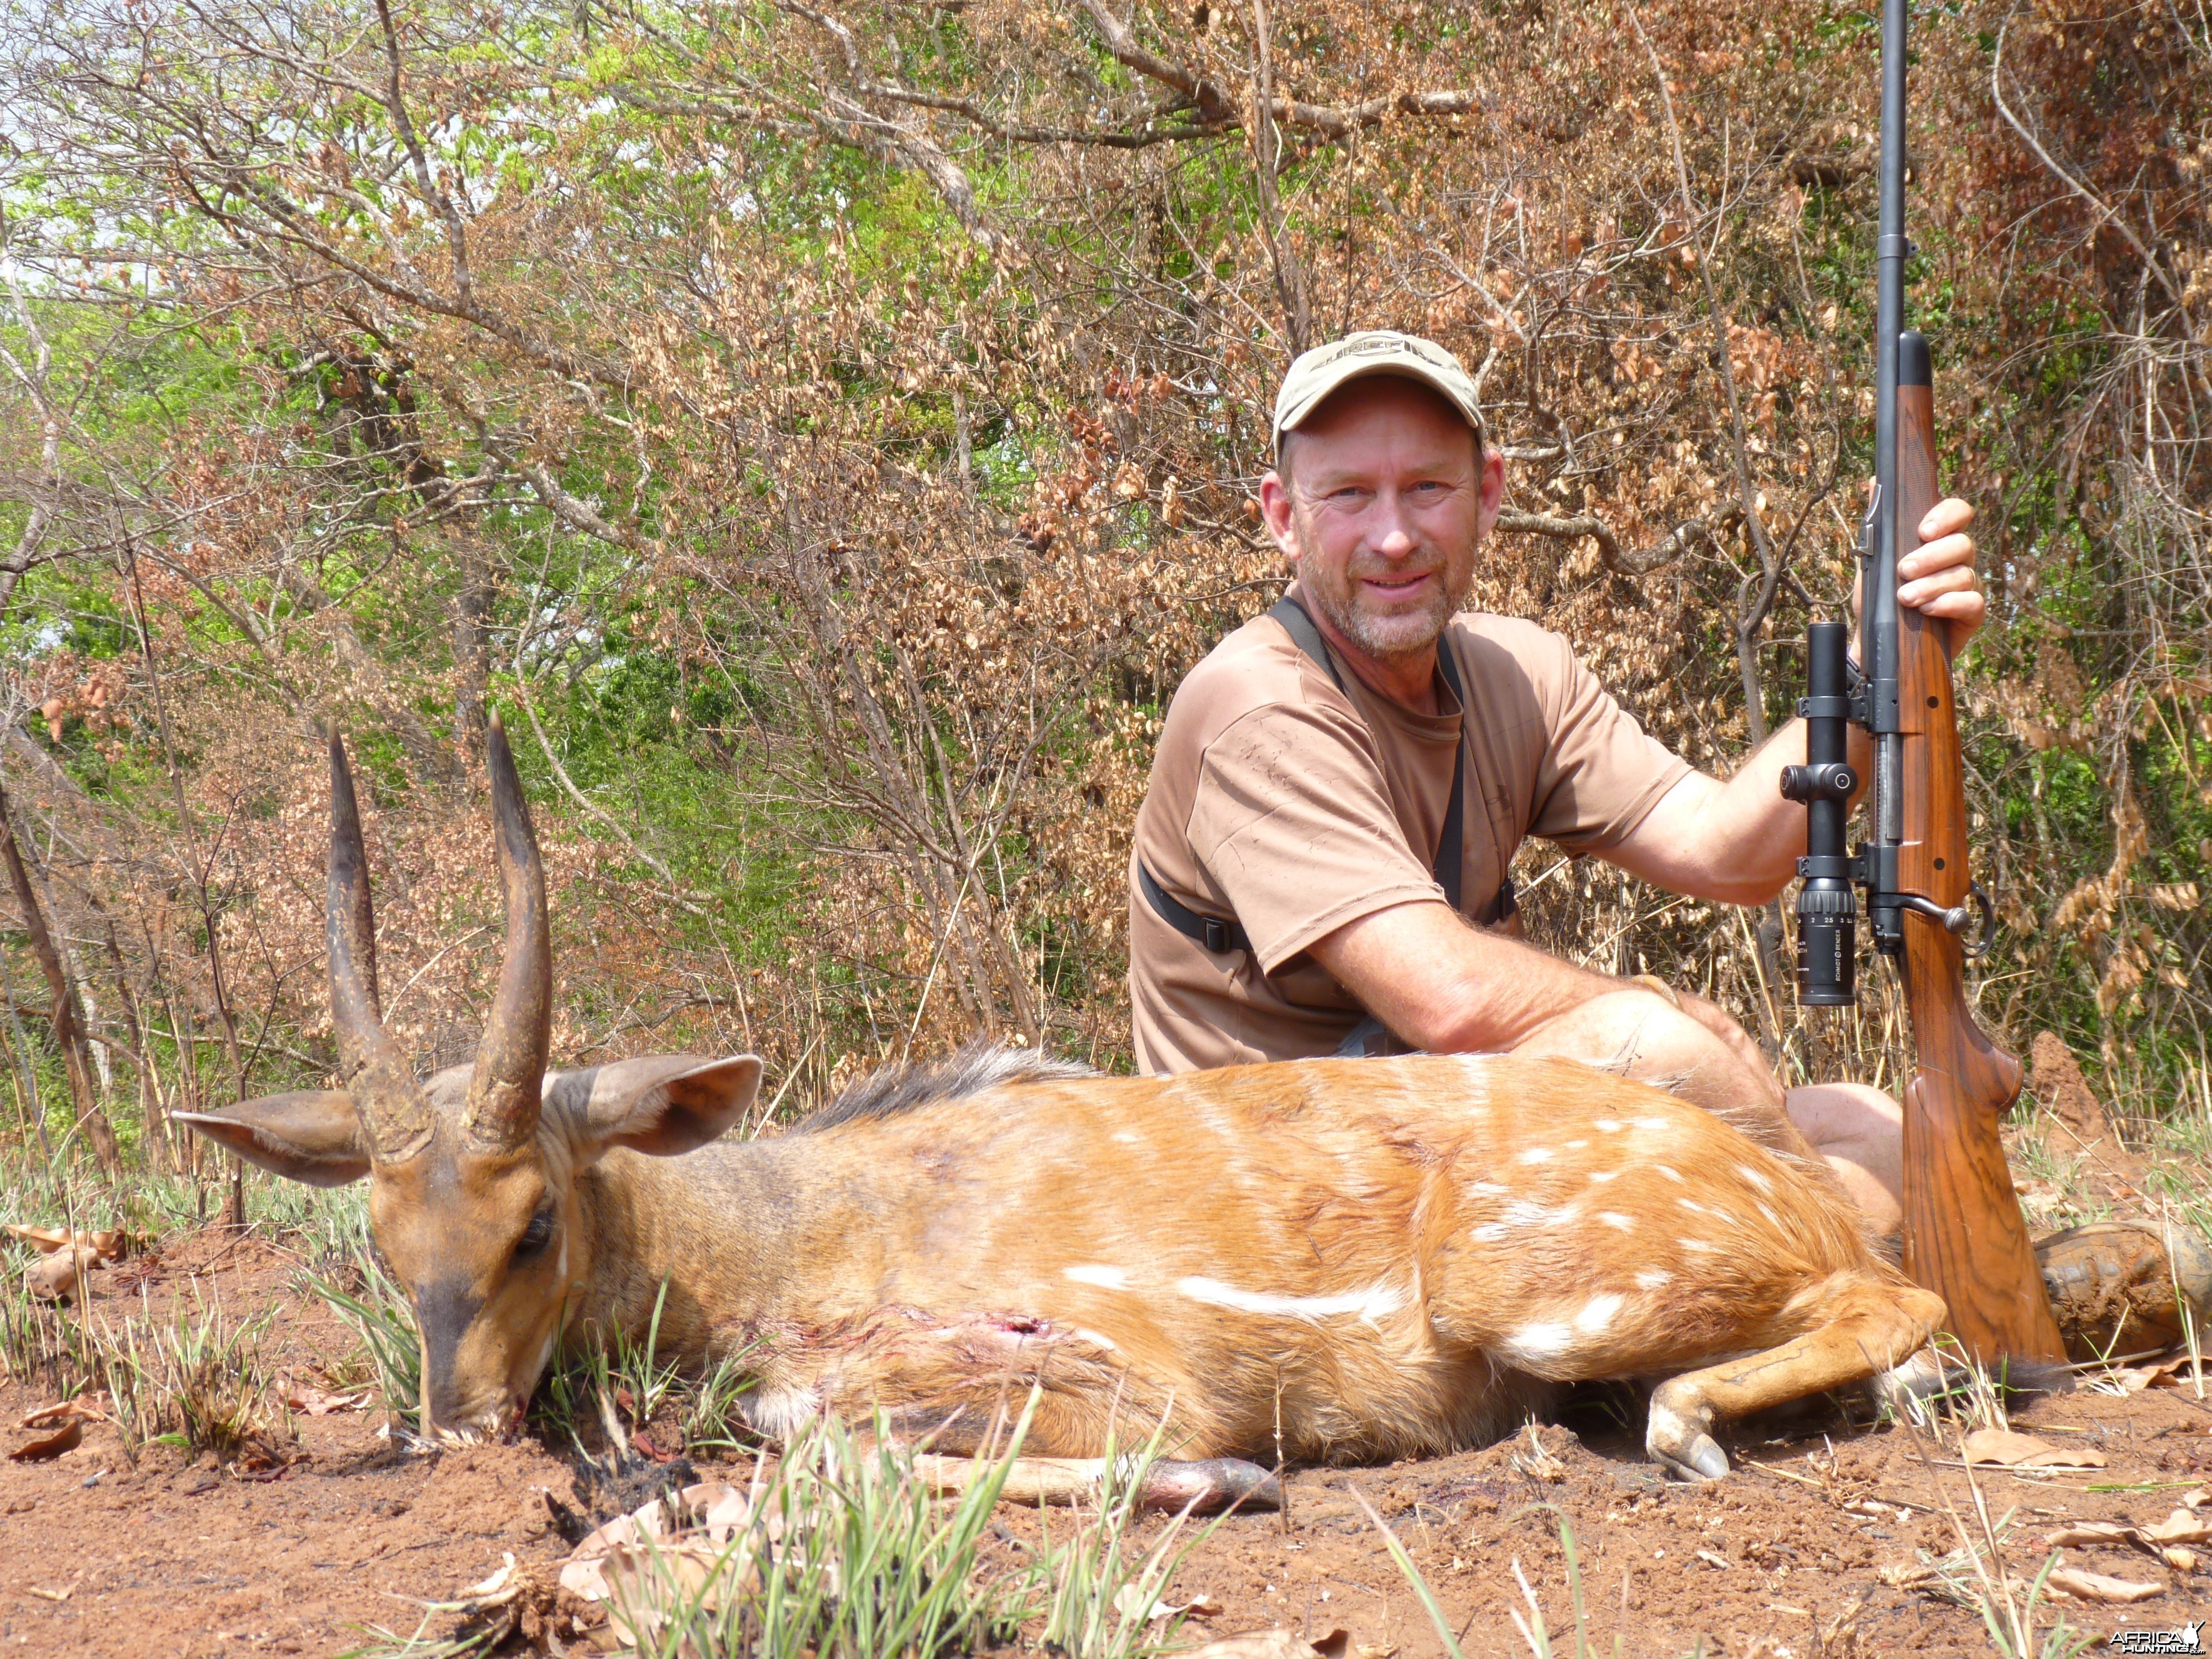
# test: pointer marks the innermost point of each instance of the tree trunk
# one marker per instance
(153, 1133)
(69, 1031)
(472, 608)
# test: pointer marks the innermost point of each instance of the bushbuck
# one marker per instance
(1322, 1260)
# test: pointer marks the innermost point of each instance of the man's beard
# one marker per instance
(1392, 638)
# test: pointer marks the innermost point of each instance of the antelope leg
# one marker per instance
(1205, 1487)
(1853, 1327)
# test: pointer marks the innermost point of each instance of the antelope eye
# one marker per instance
(536, 1237)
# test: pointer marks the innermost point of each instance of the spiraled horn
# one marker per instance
(394, 1110)
(504, 1094)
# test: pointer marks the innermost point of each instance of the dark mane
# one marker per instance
(898, 1088)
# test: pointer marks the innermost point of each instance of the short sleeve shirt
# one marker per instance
(1296, 805)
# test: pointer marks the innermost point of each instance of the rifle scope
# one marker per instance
(1827, 909)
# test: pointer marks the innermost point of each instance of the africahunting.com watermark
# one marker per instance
(2189, 1639)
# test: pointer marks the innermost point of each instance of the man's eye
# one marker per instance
(536, 1237)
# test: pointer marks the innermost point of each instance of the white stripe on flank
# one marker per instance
(1652, 1277)
(1698, 1245)
(1370, 1304)
(1603, 1174)
(1489, 1189)
(1106, 1279)
(1691, 1204)
(1670, 1174)
(1597, 1314)
(1653, 1123)
(1754, 1178)
(1615, 1218)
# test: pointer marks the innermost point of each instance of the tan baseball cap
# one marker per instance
(1318, 372)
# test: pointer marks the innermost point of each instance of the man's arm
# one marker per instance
(1448, 987)
(1737, 843)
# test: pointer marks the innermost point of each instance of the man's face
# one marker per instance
(1382, 513)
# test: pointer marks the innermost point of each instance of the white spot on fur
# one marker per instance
(1540, 1341)
(1490, 1232)
(1691, 1204)
(1489, 1189)
(1105, 1342)
(1106, 1279)
(1371, 1304)
(1522, 1213)
(1699, 1246)
(1536, 1155)
(1610, 1125)
(1597, 1314)
(1615, 1218)
(1671, 1175)
(1652, 1277)
(1603, 1174)
(1772, 1219)
(1754, 1178)
(1576, 1146)
(1125, 1137)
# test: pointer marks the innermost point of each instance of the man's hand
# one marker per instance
(1938, 576)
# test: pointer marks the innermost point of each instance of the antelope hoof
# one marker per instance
(1679, 1443)
(1210, 1486)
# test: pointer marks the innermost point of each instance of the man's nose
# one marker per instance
(1390, 531)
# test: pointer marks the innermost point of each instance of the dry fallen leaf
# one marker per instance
(105, 1246)
(72, 1411)
(1129, 1602)
(2090, 1535)
(2180, 1528)
(1272, 1644)
(2097, 1586)
(2025, 1452)
(321, 1402)
(67, 1437)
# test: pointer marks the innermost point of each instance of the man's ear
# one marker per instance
(664, 1104)
(312, 1135)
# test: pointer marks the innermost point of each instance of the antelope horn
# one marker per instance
(394, 1111)
(504, 1094)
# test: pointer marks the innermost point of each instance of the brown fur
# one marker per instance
(1375, 1258)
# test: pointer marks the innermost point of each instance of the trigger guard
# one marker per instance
(1980, 947)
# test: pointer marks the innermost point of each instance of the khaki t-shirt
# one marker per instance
(1278, 800)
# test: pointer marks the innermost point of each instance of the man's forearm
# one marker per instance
(1448, 987)
(1735, 842)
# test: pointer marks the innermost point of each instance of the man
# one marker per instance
(1294, 852)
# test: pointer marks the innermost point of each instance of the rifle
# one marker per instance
(1964, 1235)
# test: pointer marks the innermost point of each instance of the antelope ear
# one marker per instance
(312, 1135)
(664, 1104)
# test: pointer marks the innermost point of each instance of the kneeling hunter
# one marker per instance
(1321, 863)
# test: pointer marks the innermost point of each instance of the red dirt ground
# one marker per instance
(177, 1556)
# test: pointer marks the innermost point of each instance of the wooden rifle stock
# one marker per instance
(1965, 1237)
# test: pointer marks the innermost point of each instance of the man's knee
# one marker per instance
(1839, 1114)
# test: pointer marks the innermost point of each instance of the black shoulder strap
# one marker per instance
(1446, 865)
(1454, 838)
(1300, 627)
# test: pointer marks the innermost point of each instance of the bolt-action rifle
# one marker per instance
(1964, 1238)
